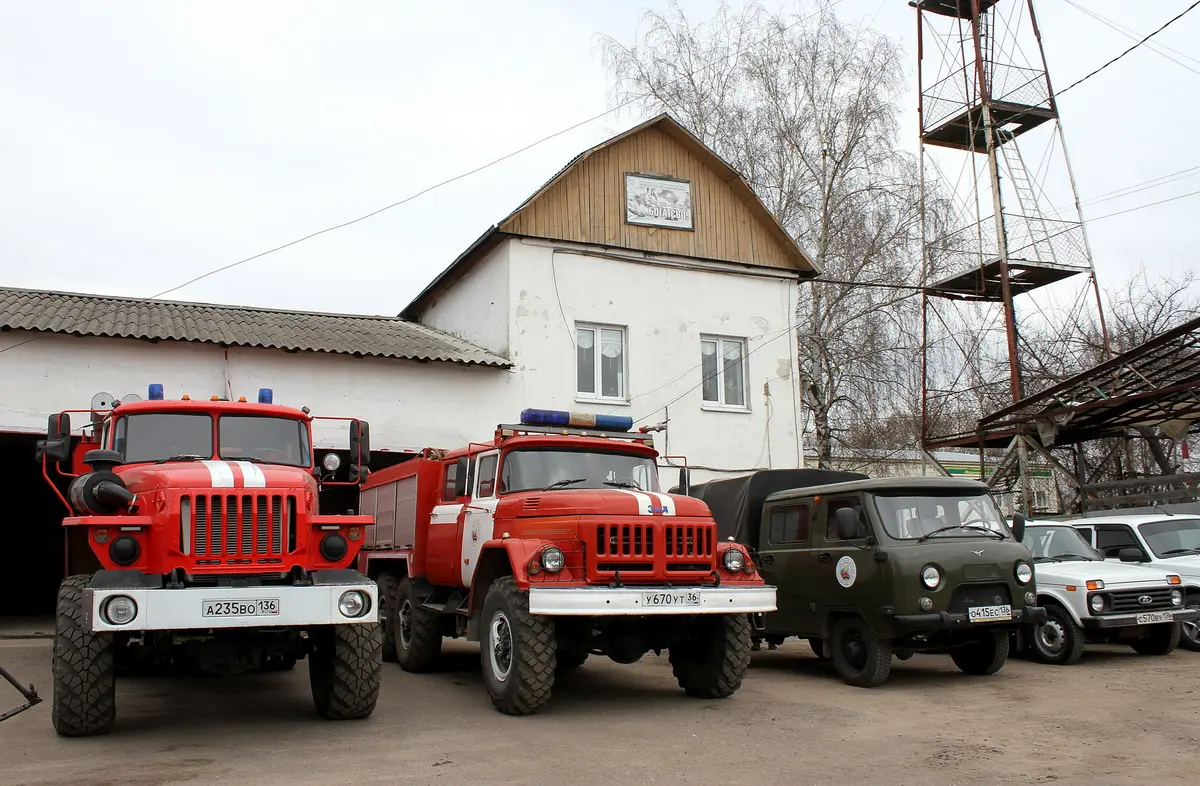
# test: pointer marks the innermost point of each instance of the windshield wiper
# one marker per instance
(1068, 558)
(929, 535)
(1181, 551)
(622, 484)
(182, 457)
(564, 482)
(251, 459)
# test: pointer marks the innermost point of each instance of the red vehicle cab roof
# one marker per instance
(565, 442)
(209, 407)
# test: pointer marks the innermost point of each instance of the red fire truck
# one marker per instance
(194, 534)
(549, 543)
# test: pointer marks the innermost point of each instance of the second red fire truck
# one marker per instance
(551, 542)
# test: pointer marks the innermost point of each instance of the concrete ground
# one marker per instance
(1114, 718)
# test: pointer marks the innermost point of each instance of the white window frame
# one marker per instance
(720, 404)
(597, 396)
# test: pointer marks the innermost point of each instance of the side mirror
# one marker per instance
(56, 447)
(360, 450)
(1018, 526)
(1132, 555)
(847, 523)
(685, 481)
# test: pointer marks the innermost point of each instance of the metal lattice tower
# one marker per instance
(988, 112)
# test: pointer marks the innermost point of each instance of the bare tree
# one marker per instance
(805, 107)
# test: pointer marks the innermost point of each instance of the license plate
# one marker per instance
(258, 607)
(684, 598)
(1155, 617)
(989, 613)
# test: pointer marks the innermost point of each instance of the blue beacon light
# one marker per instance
(554, 417)
(155, 393)
(265, 396)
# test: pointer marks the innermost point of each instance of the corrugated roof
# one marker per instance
(241, 326)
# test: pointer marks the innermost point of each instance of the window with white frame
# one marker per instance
(723, 366)
(600, 361)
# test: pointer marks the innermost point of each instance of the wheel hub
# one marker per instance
(405, 624)
(500, 646)
(1051, 637)
(855, 649)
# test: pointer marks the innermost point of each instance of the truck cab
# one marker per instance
(1091, 600)
(1165, 542)
(867, 569)
(197, 541)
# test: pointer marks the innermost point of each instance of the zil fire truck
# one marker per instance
(197, 525)
(547, 544)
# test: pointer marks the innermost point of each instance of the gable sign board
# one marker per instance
(658, 201)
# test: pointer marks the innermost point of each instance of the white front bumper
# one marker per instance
(183, 609)
(629, 601)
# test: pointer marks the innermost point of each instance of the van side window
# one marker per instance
(1110, 540)
(450, 485)
(487, 475)
(789, 525)
(831, 526)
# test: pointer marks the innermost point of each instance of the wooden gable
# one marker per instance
(585, 202)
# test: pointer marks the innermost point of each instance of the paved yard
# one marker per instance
(1114, 718)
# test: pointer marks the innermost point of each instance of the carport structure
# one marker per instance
(1084, 425)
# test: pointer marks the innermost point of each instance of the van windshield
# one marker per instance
(909, 517)
(529, 469)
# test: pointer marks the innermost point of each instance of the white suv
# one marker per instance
(1089, 599)
(1163, 541)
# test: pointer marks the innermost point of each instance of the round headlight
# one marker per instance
(353, 604)
(1097, 603)
(926, 604)
(119, 610)
(331, 462)
(735, 560)
(1176, 597)
(333, 546)
(1030, 599)
(124, 550)
(1024, 572)
(553, 559)
(930, 577)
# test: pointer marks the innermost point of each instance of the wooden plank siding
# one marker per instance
(586, 203)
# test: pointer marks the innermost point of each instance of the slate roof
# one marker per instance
(237, 326)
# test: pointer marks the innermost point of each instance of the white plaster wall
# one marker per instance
(476, 307)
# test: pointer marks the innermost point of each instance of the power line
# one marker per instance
(1128, 33)
(1143, 207)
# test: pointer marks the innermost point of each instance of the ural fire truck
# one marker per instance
(547, 544)
(197, 525)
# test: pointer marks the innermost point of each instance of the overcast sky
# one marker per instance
(143, 143)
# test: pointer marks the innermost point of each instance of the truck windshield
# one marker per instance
(1059, 544)
(908, 517)
(266, 439)
(532, 468)
(157, 436)
(1173, 537)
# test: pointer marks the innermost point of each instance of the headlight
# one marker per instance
(735, 560)
(1097, 603)
(124, 550)
(331, 462)
(1024, 572)
(1030, 599)
(333, 547)
(353, 603)
(553, 559)
(1176, 597)
(926, 604)
(119, 610)
(930, 577)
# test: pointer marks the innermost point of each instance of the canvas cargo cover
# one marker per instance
(736, 503)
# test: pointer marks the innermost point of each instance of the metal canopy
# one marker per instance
(956, 8)
(984, 282)
(1156, 384)
(967, 130)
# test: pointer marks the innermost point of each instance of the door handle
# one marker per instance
(824, 556)
(768, 559)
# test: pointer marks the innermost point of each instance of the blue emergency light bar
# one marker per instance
(155, 393)
(556, 417)
(265, 396)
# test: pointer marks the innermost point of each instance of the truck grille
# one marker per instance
(237, 526)
(1129, 601)
(967, 595)
(643, 546)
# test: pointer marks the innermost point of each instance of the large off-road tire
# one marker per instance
(1058, 640)
(387, 584)
(1159, 640)
(517, 650)
(983, 657)
(712, 663)
(818, 648)
(861, 659)
(570, 657)
(344, 669)
(417, 631)
(85, 684)
(1190, 632)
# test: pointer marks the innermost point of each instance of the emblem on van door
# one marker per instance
(977, 553)
(846, 571)
(1145, 600)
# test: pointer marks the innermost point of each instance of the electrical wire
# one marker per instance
(1134, 36)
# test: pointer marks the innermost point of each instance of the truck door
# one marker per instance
(785, 556)
(445, 524)
(480, 514)
(846, 574)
